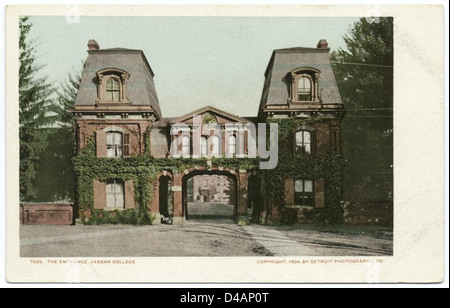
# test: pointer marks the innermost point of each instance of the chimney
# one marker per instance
(322, 44)
(93, 45)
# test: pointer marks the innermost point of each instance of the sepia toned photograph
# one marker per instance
(259, 139)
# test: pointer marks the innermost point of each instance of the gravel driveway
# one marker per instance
(218, 237)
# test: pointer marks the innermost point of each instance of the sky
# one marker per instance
(197, 61)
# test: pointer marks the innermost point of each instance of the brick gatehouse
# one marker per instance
(118, 117)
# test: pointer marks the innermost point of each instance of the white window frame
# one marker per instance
(203, 146)
(297, 75)
(115, 195)
(215, 149)
(300, 188)
(304, 91)
(185, 146)
(114, 149)
(301, 143)
(113, 91)
(232, 143)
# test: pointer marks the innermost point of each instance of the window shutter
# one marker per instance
(337, 139)
(314, 142)
(101, 143)
(289, 191)
(319, 193)
(129, 195)
(126, 145)
(99, 195)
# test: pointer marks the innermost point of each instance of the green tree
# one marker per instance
(55, 165)
(35, 112)
(364, 73)
(67, 96)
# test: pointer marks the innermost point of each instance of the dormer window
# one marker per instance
(113, 90)
(305, 85)
(112, 86)
(304, 88)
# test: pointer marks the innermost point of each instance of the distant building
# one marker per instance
(212, 188)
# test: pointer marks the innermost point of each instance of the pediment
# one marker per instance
(210, 114)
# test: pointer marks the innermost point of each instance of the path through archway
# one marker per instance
(209, 195)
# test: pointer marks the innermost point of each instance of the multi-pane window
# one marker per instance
(115, 198)
(204, 146)
(215, 145)
(113, 90)
(305, 85)
(303, 142)
(185, 145)
(304, 192)
(114, 144)
(126, 144)
(232, 145)
(304, 89)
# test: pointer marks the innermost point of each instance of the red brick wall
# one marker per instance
(136, 130)
(46, 213)
(324, 139)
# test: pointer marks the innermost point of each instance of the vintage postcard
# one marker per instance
(230, 144)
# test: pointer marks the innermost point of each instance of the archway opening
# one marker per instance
(255, 198)
(165, 197)
(209, 195)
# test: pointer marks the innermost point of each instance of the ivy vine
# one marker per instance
(144, 169)
(327, 166)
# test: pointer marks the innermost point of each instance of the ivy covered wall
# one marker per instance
(325, 165)
(143, 170)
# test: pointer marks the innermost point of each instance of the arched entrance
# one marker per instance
(165, 197)
(209, 194)
(255, 197)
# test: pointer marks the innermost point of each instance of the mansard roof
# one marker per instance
(283, 61)
(140, 85)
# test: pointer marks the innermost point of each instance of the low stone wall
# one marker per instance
(46, 213)
(376, 213)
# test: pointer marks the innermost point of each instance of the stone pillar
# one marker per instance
(154, 205)
(242, 218)
(177, 199)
